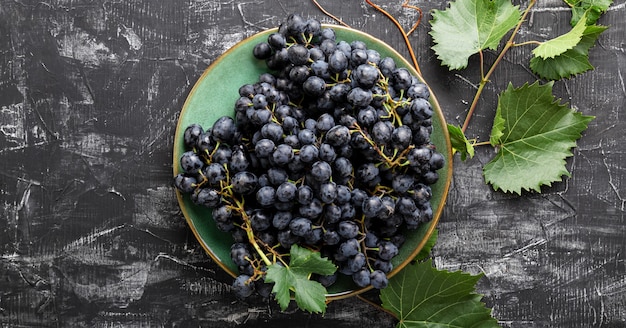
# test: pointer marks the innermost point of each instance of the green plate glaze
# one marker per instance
(214, 95)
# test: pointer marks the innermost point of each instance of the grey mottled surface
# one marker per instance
(90, 231)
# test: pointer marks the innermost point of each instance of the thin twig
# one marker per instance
(327, 13)
(404, 35)
(419, 20)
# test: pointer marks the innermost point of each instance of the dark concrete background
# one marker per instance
(91, 234)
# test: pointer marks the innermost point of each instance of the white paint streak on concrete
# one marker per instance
(91, 238)
(13, 118)
(539, 242)
(83, 47)
(153, 86)
(129, 286)
(134, 41)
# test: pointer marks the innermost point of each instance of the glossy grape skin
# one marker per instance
(348, 229)
(286, 191)
(359, 97)
(314, 86)
(331, 237)
(241, 287)
(244, 182)
(304, 195)
(401, 78)
(378, 279)
(328, 192)
(357, 262)
(299, 74)
(205, 143)
(300, 226)
(191, 162)
(298, 54)
(401, 137)
(264, 148)
(309, 153)
(214, 173)
(286, 238)
(337, 135)
(361, 278)
(238, 160)
(207, 197)
(387, 250)
(306, 136)
(191, 135)
(277, 175)
(185, 183)
(312, 210)
(367, 116)
(314, 236)
(344, 194)
(321, 171)
(240, 254)
(272, 131)
(283, 154)
(266, 196)
(372, 206)
(324, 122)
(366, 75)
(262, 50)
(349, 248)
(358, 57)
(337, 61)
(223, 129)
(327, 153)
(320, 69)
(332, 213)
(276, 41)
(367, 172)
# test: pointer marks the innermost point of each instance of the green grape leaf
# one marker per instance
(592, 9)
(534, 135)
(497, 129)
(467, 27)
(562, 43)
(294, 279)
(572, 62)
(459, 142)
(430, 243)
(422, 296)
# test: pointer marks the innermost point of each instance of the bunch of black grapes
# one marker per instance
(330, 151)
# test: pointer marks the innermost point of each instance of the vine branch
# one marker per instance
(485, 77)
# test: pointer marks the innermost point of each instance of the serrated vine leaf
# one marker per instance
(562, 43)
(535, 133)
(467, 27)
(572, 62)
(422, 296)
(591, 9)
(294, 280)
(459, 142)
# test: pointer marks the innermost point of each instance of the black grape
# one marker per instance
(378, 279)
(242, 287)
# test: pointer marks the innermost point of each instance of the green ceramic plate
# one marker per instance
(214, 95)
